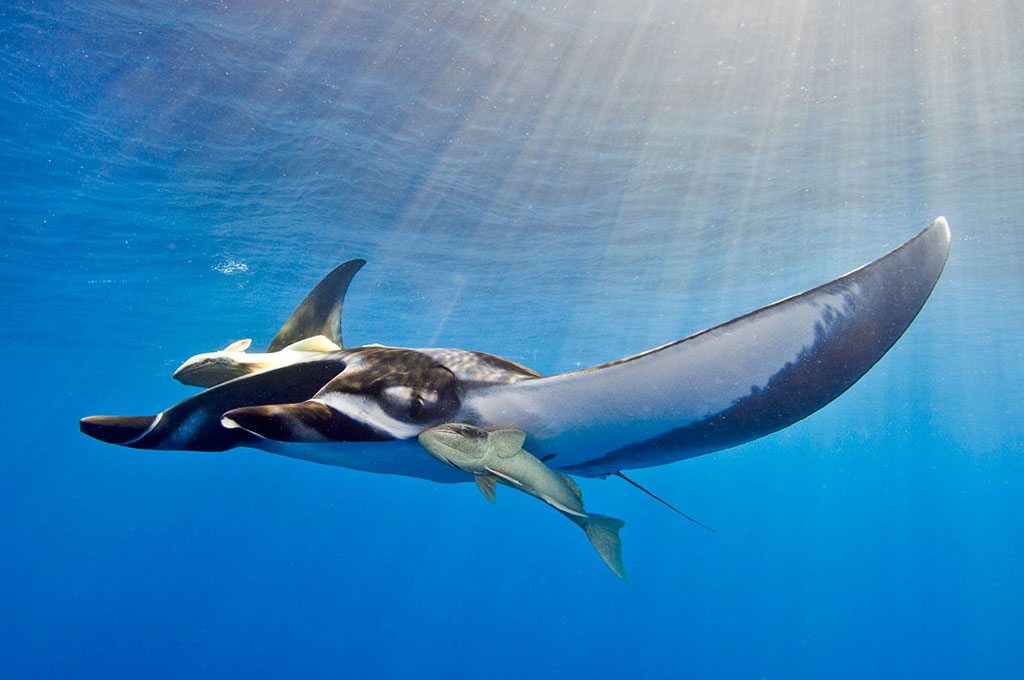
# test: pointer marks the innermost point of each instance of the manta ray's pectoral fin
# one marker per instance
(320, 311)
(729, 384)
(488, 486)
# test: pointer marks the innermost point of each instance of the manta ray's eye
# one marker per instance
(407, 403)
(418, 407)
(421, 404)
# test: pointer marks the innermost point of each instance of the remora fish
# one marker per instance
(364, 407)
(499, 456)
(314, 327)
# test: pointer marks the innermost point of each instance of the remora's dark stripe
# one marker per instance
(882, 299)
(202, 412)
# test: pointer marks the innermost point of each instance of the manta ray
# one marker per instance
(364, 407)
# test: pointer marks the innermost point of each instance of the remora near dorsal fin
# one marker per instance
(239, 345)
(320, 312)
(488, 486)
(317, 343)
(506, 443)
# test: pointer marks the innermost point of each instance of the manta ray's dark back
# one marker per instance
(320, 312)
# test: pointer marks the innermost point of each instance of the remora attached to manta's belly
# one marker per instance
(498, 456)
(364, 407)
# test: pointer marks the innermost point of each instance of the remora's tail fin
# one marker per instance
(320, 312)
(603, 533)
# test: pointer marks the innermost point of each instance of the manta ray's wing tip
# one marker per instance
(941, 225)
(116, 429)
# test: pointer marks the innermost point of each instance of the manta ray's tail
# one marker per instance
(603, 533)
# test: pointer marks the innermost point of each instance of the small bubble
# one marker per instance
(229, 267)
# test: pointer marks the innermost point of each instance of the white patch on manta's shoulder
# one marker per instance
(399, 391)
(229, 424)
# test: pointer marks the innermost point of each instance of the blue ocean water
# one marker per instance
(558, 183)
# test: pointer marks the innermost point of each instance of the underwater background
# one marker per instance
(559, 183)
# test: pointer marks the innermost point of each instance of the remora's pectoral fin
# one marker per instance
(488, 486)
(603, 533)
(506, 443)
(304, 422)
(320, 312)
(239, 345)
(729, 384)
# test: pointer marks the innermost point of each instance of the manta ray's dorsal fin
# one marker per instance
(320, 311)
